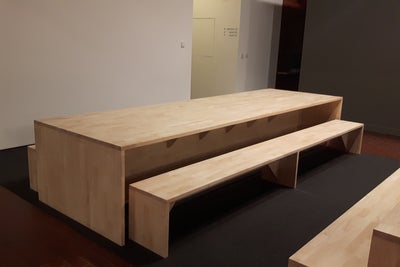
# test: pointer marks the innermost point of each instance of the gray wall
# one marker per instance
(352, 48)
(69, 57)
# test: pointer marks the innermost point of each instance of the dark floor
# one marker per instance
(29, 236)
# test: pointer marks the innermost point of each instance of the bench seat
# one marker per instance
(385, 242)
(150, 200)
(347, 241)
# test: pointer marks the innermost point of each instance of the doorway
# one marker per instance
(215, 47)
(291, 44)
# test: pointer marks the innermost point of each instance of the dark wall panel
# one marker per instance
(352, 48)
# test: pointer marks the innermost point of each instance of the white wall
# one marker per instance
(258, 44)
(351, 48)
(69, 57)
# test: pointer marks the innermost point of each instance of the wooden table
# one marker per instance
(84, 162)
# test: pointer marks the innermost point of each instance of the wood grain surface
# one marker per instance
(139, 126)
(346, 241)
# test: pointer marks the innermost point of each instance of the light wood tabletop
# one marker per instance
(139, 126)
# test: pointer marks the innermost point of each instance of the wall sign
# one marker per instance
(231, 32)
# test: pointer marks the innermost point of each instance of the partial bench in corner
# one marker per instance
(151, 200)
(385, 242)
(347, 241)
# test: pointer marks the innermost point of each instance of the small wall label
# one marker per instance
(231, 32)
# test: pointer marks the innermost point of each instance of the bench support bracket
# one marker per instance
(283, 171)
(350, 142)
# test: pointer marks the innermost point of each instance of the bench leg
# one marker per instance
(283, 171)
(350, 142)
(149, 221)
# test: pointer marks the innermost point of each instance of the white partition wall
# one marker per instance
(260, 23)
(235, 45)
(69, 57)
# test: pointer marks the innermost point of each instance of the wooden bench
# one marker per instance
(151, 200)
(347, 241)
(385, 242)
